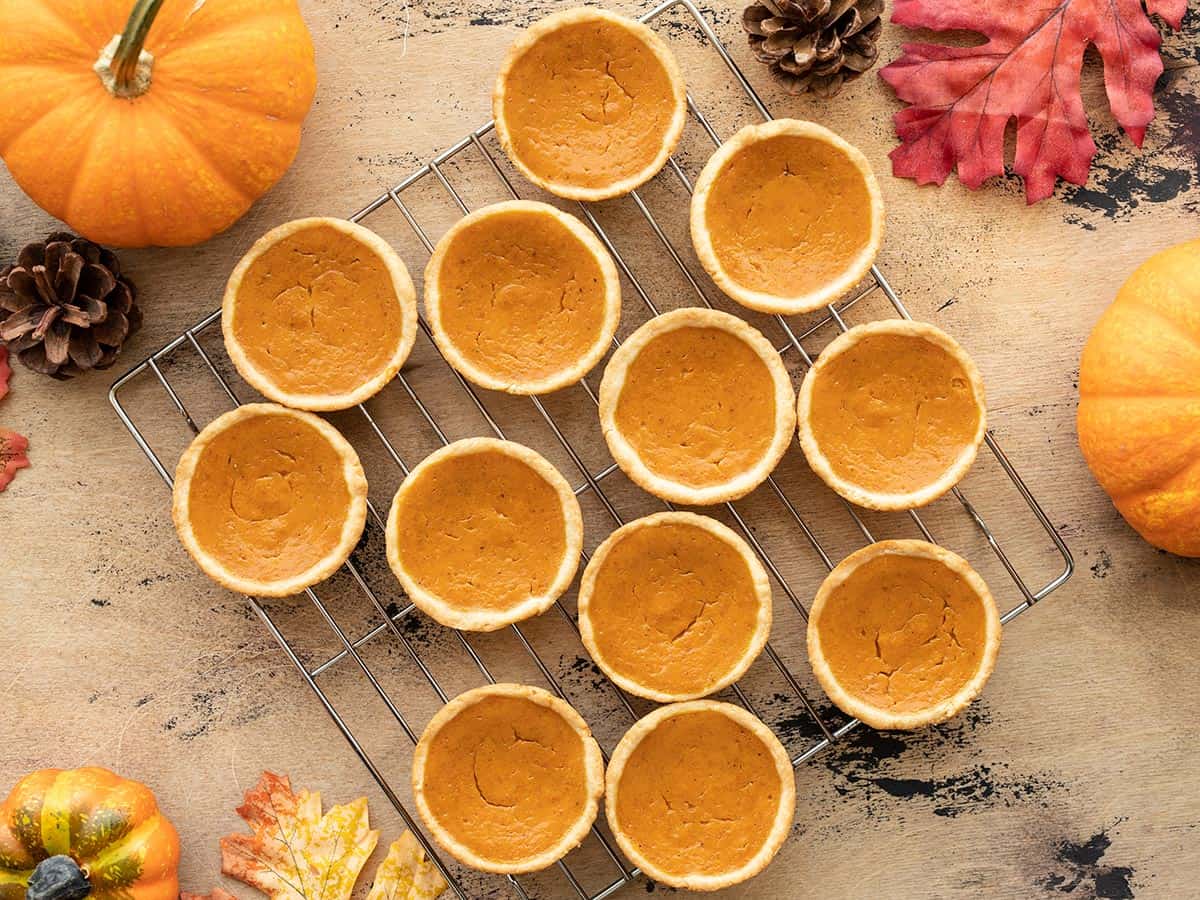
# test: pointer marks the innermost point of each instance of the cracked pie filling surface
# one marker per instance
(269, 500)
(589, 104)
(700, 795)
(674, 606)
(892, 414)
(903, 634)
(697, 407)
(320, 314)
(522, 298)
(786, 216)
(508, 778)
(484, 533)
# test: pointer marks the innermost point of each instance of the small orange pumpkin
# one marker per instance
(66, 835)
(1139, 400)
(157, 126)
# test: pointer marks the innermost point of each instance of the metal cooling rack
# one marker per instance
(390, 623)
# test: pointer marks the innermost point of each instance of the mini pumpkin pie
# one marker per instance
(892, 414)
(700, 795)
(787, 217)
(903, 634)
(674, 606)
(320, 314)
(522, 298)
(508, 778)
(588, 104)
(268, 500)
(484, 533)
(697, 407)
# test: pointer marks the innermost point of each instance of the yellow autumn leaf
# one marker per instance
(406, 874)
(294, 852)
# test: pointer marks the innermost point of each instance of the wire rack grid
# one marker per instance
(390, 621)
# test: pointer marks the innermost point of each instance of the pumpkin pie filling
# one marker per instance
(482, 533)
(508, 778)
(893, 412)
(674, 609)
(318, 313)
(268, 498)
(589, 101)
(699, 796)
(788, 214)
(698, 406)
(522, 298)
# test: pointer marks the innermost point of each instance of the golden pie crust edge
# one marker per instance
(492, 620)
(569, 376)
(653, 42)
(702, 237)
(626, 456)
(593, 772)
(758, 575)
(406, 295)
(352, 528)
(872, 715)
(783, 817)
(819, 462)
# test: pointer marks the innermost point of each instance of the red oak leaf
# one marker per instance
(12, 455)
(962, 98)
(5, 371)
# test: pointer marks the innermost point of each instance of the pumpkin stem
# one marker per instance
(124, 66)
(58, 878)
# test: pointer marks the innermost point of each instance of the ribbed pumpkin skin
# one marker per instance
(110, 826)
(1139, 400)
(232, 82)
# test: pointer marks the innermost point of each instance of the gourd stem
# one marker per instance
(129, 50)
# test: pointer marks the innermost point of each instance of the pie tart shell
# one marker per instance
(569, 376)
(868, 713)
(627, 457)
(783, 819)
(652, 41)
(491, 620)
(702, 238)
(758, 576)
(593, 770)
(352, 528)
(406, 296)
(820, 463)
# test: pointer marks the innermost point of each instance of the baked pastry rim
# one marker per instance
(758, 575)
(627, 457)
(593, 772)
(783, 816)
(662, 53)
(567, 377)
(820, 463)
(883, 719)
(352, 528)
(406, 295)
(492, 620)
(763, 301)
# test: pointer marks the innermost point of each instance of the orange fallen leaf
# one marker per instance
(294, 852)
(406, 874)
(12, 455)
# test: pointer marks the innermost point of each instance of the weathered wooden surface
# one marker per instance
(1075, 774)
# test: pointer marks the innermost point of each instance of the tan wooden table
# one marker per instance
(1075, 775)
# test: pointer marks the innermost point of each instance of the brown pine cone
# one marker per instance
(815, 45)
(65, 308)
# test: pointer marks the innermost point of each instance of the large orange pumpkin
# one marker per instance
(167, 145)
(1139, 400)
(65, 835)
